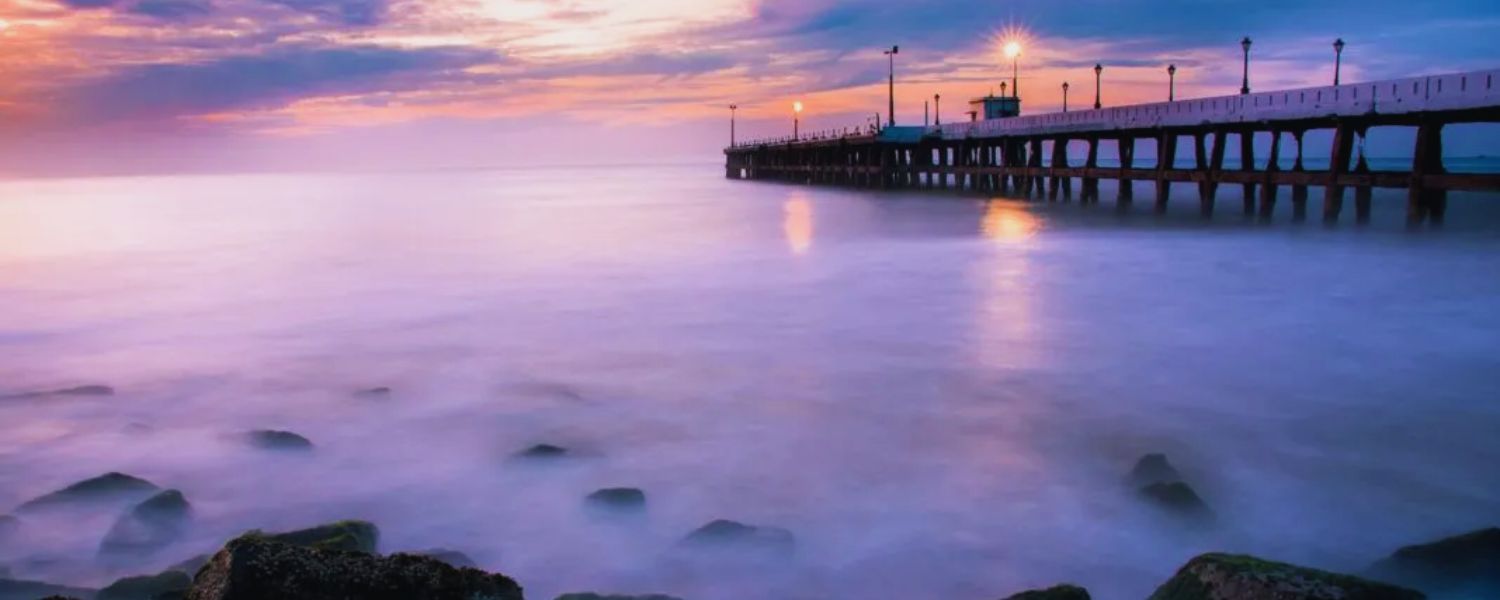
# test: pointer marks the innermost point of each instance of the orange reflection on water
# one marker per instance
(798, 222)
(1008, 222)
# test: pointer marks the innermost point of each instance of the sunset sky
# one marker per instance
(123, 86)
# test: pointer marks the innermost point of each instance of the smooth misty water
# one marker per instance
(938, 394)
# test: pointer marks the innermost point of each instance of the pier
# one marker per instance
(1041, 155)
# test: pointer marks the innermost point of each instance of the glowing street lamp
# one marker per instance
(1098, 78)
(732, 108)
(1065, 96)
(1171, 83)
(937, 109)
(796, 119)
(1013, 52)
(1338, 58)
(1245, 87)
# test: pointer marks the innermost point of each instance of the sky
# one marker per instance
(163, 86)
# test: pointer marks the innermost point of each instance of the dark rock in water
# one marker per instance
(1236, 577)
(254, 567)
(16, 589)
(617, 499)
(1152, 468)
(271, 439)
(149, 526)
(109, 486)
(543, 451)
(147, 587)
(1057, 592)
(732, 534)
(1179, 498)
(352, 536)
(594, 596)
(8, 526)
(1462, 566)
(374, 392)
(60, 598)
(82, 390)
(452, 557)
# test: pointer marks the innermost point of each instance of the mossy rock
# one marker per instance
(18, 589)
(1180, 499)
(1238, 577)
(617, 499)
(452, 557)
(191, 565)
(542, 452)
(271, 439)
(1057, 592)
(723, 533)
(107, 487)
(152, 524)
(596, 596)
(255, 567)
(1150, 469)
(352, 536)
(147, 587)
(1465, 565)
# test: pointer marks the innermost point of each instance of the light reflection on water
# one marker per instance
(937, 394)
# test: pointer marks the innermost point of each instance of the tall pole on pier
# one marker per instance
(796, 119)
(890, 115)
(1245, 87)
(1098, 78)
(732, 108)
(937, 109)
(1013, 52)
(1338, 58)
(1171, 83)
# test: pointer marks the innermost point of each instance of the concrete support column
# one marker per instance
(1333, 191)
(1091, 183)
(1424, 203)
(1126, 146)
(1268, 188)
(1247, 164)
(1166, 154)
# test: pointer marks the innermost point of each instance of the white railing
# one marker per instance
(813, 136)
(1458, 91)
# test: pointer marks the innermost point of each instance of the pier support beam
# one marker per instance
(1268, 188)
(1166, 155)
(1422, 202)
(1333, 192)
(1127, 162)
(1205, 191)
(1091, 184)
(1299, 191)
(1247, 164)
(1059, 161)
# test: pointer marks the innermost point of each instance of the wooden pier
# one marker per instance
(1030, 155)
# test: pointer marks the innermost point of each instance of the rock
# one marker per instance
(452, 557)
(147, 587)
(149, 526)
(374, 392)
(732, 534)
(594, 596)
(1178, 498)
(191, 565)
(1465, 566)
(254, 567)
(109, 486)
(1152, 468)
(82, 390)
(16, 589)
(617, 499)
(1236, 577)
(352, 536)
(271, 439)
(8, 526)
(543, 451)
(1057, 592)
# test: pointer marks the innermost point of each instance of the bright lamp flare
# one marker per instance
(797, 106)
(1012, 49)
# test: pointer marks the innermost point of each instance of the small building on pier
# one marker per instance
(994, 107)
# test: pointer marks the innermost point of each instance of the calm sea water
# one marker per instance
(938, 394)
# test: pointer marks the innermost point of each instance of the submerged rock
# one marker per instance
(1236, 577)
(1463, 566)
(374, 392)
(17, 589)
(617, 499)
(106, 487)
(82, 390)
(352, 536)
(594, 596)
(8, 526)
(1178, 498)
(452, 557)
(1065, 591)
(271, 439)
(149, 526)
(147, 587)
(1152, 468)
(543, 451)
(732, 534)
(254, 567)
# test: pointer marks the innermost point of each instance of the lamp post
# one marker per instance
(796, 119)
(1171, 83)
(1098, 78)
(1338, 58)
(891, 112)
(937, 109)
(1013, 52)
(1065, 96)
(1002, 90)
(732, 108)
(1245, 87)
